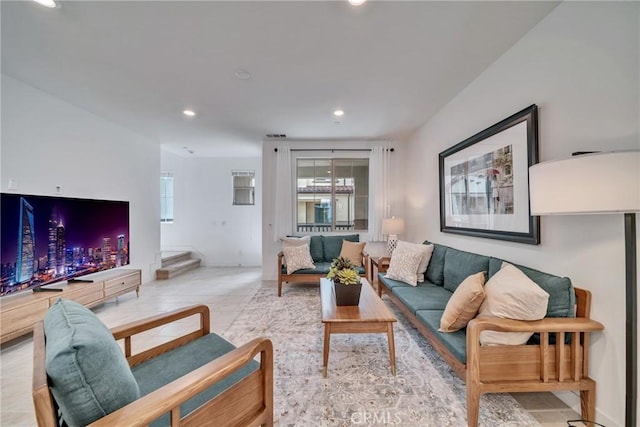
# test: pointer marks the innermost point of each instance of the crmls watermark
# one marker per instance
(381, 417)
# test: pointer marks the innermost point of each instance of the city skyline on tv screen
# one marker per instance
(47, 239)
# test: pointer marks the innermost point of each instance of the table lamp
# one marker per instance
(599, 183)
(392, 227)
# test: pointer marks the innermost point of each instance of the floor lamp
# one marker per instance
(599, 183)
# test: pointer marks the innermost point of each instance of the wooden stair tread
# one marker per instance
(177, 267)
(173, 257)
(181, 264)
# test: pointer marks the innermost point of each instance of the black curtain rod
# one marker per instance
(333, 149)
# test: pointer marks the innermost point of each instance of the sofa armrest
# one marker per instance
(128, 330)
(169, 397)
(546, 325)
(580, 327)
(366, 264)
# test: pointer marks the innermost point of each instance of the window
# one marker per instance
(166, 197)
(244, 187)
(332, 194)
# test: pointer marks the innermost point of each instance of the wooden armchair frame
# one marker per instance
(247, 403)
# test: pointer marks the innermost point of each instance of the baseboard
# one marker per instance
(572, 399)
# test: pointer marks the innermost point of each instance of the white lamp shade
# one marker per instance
(586, 184)
(393, 226)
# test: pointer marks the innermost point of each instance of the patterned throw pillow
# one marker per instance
(294, 241)
(463, 304)
(404, 265)
(353, 251)
(510, 294)
(297, 258)
(425, 250)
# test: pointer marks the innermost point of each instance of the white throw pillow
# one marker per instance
(294, 241)
(510, 294)
(297, 258)
(404, 264)
(425, 250)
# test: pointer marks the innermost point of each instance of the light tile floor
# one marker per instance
(225, 291)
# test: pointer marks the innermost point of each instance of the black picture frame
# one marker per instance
(484, 181)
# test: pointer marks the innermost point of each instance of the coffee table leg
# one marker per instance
(325, 348)
(392, 347)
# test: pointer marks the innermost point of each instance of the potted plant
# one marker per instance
(346, 281)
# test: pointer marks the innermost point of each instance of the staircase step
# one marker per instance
(173, 257)
(177, 268)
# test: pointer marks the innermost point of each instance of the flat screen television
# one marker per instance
(44, 240)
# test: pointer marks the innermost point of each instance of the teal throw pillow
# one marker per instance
(89, 375)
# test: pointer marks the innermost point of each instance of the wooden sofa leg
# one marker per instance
(473, 405)
(279, 277)
(588, 401)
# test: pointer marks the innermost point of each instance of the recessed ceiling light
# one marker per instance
(46, 3)
(242, 74)
(338, 113)
(189, 113)
(356, 2)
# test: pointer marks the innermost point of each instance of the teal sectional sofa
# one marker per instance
(323, 250)
(503, 368)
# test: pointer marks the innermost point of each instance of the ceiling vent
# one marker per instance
(276, 135)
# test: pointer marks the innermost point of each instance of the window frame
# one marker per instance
(164, 200)
(332, 159)
(252, 188)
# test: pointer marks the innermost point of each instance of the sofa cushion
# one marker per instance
(425, 250)
(390, 283)
(510, 294)
(315, 248)
(297, 258)
(353, 251)
(424, 297)
(455, 342)
(89, 375)
(332, 245)
(458, 265)
(435, 269)
(562, 297)
(161, 370)
(463, 304)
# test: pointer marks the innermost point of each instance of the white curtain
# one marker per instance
(283, 206)
(379, 184)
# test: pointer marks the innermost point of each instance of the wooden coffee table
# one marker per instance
(370, 316)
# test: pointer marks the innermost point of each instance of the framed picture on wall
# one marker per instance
(484, 181)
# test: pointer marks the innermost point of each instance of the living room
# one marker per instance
(578, 63)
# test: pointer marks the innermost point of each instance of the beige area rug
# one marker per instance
(359, 388)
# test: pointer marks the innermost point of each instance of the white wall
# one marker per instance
(580, 66)
(270, 247)
(47, 142)
(206, 221)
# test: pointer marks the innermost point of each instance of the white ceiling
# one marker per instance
(389, 65)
